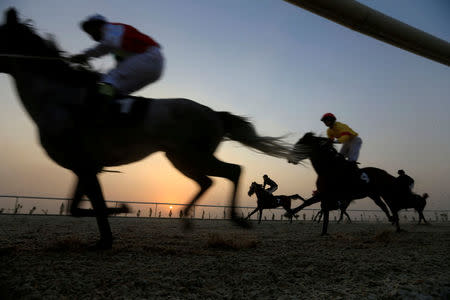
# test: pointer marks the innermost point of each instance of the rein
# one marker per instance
(33, 57)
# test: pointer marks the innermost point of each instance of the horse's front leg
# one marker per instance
(76, 199)
(92, 188)
(421, 217)
(260, 216)
(83, 212)
(326, 216)
(252, 213)
(341, 216)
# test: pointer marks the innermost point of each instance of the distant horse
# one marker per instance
(268, 201)
(341, 181)
(84, 138)
(415, 201)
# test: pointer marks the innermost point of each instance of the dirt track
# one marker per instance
(46, 257)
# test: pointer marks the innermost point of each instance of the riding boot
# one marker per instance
(106, 93)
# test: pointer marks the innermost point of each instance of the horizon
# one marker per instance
(281, 66)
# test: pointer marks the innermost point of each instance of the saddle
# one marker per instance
(123, 110)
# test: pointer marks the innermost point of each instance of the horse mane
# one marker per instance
(35, 45)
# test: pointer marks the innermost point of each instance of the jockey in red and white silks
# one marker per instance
(139, 58)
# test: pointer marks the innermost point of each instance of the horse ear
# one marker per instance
(11, 16)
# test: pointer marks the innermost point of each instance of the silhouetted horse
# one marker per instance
(266, 200)
(413, 200)
(340, 181)
(84, 138)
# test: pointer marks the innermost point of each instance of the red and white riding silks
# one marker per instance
(140, 59)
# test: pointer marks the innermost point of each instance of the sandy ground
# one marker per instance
(47, 257)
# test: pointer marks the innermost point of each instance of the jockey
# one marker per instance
(405, 182)
(139, 58)
(272, 184)
(351, 142)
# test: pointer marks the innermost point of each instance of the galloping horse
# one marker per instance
(78, 137)
(340, 181)
(267, 201)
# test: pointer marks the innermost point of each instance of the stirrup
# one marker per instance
(106, 90)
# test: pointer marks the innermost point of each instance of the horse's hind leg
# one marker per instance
(199, 167)
(348, 217)
(382, 205)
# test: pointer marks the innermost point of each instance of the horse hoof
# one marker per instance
(242, 223)
(124, 209)
(102, 244)
(187, 225)
(288, 215)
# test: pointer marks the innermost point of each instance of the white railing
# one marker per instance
(34, 205)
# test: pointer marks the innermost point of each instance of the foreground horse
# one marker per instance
(56, 97)
(340, 181)
(268, 201)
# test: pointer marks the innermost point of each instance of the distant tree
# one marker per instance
(32, 210)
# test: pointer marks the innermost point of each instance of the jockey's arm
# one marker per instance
(97, 51)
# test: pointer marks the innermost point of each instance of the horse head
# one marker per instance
(254, 187)
(307, 146)
(22, 46)
(19, 39)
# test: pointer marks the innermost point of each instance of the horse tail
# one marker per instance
(240, 129)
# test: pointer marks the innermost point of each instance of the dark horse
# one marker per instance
(267, 201)
(59, 99)
(340, 181)
(415, 201)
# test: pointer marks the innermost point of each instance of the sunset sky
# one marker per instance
(278, 64)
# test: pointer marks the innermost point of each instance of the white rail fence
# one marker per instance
(33, 205)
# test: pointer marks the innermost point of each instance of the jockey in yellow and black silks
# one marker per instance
(342, 133)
